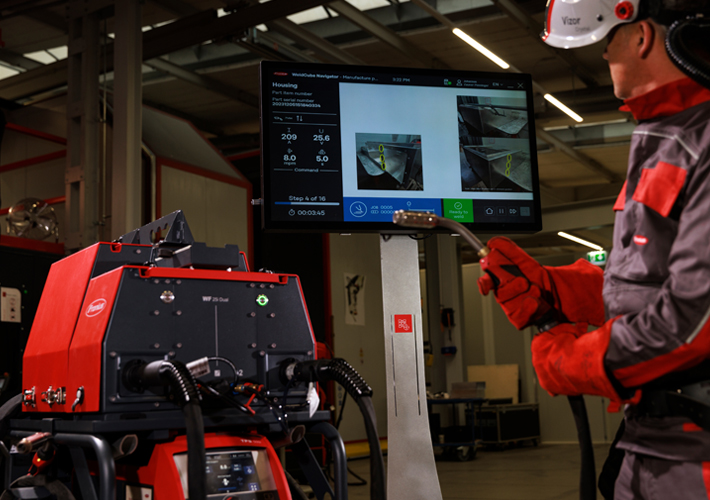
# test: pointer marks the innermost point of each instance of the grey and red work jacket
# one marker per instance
(657, 280)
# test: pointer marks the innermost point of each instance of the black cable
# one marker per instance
(211, 391)
(587, 472)
(339, 370)
(342, 410)
(377, 464)
(421, 238)
(184, 390)
(196, 462)
(362, 481)
(183, 383)
(588, 475)
(231, 365)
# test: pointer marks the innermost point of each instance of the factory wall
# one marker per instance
(213, 209)
(361, 345)
(216, 202)
(43, 180)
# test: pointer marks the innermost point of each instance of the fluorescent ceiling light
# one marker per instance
(580, 241)
(563, 108)
(6, 72)
(473, 43)
(48, 56)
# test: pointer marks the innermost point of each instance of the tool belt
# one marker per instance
(685, 394)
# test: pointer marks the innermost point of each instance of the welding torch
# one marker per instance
(426, 220)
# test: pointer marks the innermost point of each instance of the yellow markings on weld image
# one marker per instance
(381, 149)
(509, 159)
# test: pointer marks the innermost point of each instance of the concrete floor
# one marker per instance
(546, 472)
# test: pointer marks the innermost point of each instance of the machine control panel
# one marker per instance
(240, 474)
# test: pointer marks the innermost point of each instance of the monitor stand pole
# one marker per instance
(411, 470)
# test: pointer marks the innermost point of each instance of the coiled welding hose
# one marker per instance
(340, 371)
(174, 374)
(686, 45)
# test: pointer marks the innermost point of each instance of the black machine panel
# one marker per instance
(255, 325)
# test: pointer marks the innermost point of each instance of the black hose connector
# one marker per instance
(325, 370)
(140, 375)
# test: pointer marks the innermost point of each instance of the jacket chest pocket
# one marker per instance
(659, 187)
(648, 224)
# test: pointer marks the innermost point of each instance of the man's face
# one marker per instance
(619, 54)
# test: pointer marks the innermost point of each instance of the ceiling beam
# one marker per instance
(320, 46)
(196, 29)
(185, 32)
(19, 61)
(35, 81)
(176, 7)
(48, 18)
(388, 36)
(513, 11)
(581, 158)
(203, 81)
(267, 39)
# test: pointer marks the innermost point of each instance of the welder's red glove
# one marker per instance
(528, 291)
(519, 283)
(570, 362)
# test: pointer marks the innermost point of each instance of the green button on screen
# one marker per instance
(458, 210)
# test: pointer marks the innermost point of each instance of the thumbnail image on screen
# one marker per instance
(494, 145)
(389, 161)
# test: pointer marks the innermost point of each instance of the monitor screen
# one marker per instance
(344, 147)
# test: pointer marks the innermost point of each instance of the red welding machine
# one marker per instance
(179, 371)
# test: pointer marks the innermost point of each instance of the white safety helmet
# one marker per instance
(577, 23)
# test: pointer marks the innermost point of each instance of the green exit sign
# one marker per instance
(597, 258)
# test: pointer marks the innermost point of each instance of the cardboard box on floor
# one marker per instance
(501, 380)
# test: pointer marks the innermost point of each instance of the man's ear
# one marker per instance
(647, 34)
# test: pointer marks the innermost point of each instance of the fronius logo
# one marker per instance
(95, 308)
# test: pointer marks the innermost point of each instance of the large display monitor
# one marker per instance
(344, 147)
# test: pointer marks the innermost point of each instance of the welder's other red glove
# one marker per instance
(578, 292)
(571, 363)
(526, 290)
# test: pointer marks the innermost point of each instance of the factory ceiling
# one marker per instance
(201, 60)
